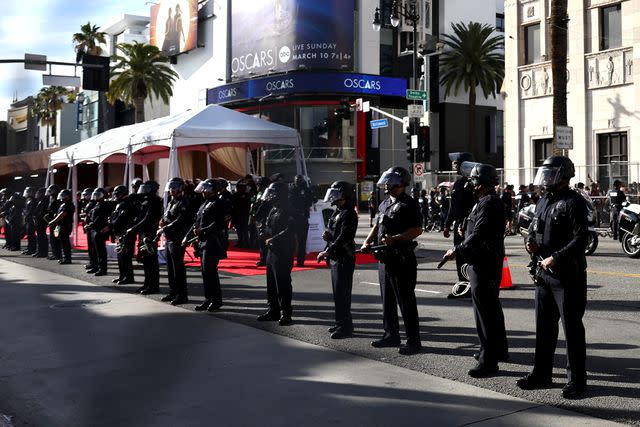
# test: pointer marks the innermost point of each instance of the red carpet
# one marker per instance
(241, 261)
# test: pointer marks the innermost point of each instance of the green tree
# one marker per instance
(140, 71)
(47, 104)
(88, 41)
(473, 57)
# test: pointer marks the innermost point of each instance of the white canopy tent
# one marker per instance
(202, 129)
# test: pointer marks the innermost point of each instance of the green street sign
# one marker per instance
(417, 95)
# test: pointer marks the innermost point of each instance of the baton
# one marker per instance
(442, 263)
(372, 249)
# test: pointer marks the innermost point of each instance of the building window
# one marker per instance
(613, 159)
(610, 27)
(500, 22)
(542, 149)
(532, 43)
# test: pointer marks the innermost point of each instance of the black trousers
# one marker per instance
(614, 217)
(100, 247)
(342, 283)
(151, 268)
(176, 271)
(564, 300)
(209, 259)
(64, 241)
(397, 286)
(302, 228)
(43, 241)
(16, 236)
(457, 239)
(489, 317)
(56, 248)
(32, 245)
(279, 288)
(91, 249)
(125, 260)
(241, 225)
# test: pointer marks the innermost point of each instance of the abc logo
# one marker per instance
(284, 54)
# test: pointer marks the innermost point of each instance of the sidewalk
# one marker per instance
(121, 359)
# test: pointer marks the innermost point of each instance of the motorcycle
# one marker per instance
(629, 230)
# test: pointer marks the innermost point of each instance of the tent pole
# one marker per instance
(48, 176)
(74, 190)
(71, 168)
(100, 175)
(126, 174)
(208, 162)
(301, 164)
(145, 172)
(131, 166)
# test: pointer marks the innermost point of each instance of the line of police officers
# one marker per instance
(557, 237)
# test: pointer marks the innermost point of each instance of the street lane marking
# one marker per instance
(417, 289)
(596, 272)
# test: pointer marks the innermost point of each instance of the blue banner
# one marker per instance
(283, 35)
(300, 83)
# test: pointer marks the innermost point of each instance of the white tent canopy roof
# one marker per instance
(205, 128)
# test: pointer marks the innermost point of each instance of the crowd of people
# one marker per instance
(272, 215)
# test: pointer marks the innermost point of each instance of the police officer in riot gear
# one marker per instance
(259, 211)
(41, 208)
(240, 206)
(86, 206)
(341, 254)
(120, 220)
(616, 199)
(208, 232)
(300, 202)
(462, 201)
(558, 236)
(52, 211)
(146, 225)
(399, 222)
(62, 224)
(278, 233)
(174, 224)
(29, 220)
(97, 224)
(483, 250)
(14, 218)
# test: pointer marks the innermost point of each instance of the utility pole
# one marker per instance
(558, 24)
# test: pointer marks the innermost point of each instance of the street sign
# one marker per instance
(35, 62)
(359, 104)
(415, 111)
(564, 137)
(414, 141)
(417, 95)
(405, 125)
(418, 170)
(65, 81)
(366, 106)
(381, 123)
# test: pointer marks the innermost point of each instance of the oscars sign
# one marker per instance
(174, 26)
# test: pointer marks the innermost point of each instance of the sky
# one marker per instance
(46, 27)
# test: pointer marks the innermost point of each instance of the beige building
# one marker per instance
(603, 89)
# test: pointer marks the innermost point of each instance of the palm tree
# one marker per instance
(88, 41)
(47, 104)
(558, 20)
(141, 70)
(474, 58)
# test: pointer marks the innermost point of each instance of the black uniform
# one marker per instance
(559, 227)
(84, 216)
(97, 220)
(300, 201)
(261, 212)
(372, 203)
(240, 206)
(341, 231)
(507, 202)
(443, 202)
(212, 221)
(398, 269)
(41, 209)
(15, 219)
(4, 212)
(147, 226)
(120, 221)
(66, 225)
(616, 199)
(483, 250)
(522, 200)
(30, 225)
(423, 203)
(54, 242)
(177, 219)
(461, 203)
(280, 227)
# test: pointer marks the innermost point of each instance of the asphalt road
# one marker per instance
(447, 326)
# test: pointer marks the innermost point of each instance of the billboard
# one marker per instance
(174, 26)
(270, 36)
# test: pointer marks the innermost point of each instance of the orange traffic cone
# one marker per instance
(506, 282)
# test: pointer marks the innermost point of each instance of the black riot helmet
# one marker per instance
(553, 171)
(149, 187)
(483, 174)
(15, 197)
(394, 177)
(458, 158)
(98, 194)
(207, 187)
(175, 184)
(339, 190)
(64, 195)
(86, 193)
(29, 192)
(617, 183)
(221, 183)
(40, 192)
(53, 190)
(135, 185)
(119, 192)
(277, 193)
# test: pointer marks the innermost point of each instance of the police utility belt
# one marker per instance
(394, 253)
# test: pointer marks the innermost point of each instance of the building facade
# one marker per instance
(603, 89)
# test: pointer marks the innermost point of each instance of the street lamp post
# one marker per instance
(408, 11)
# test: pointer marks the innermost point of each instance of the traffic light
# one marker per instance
(410, 151)
(424, 148)
(95, 77)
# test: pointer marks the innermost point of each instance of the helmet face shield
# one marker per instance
(97, 195)
(467, 167)
(204, 187)
(548, 177)
(333, 195)
(390, 178)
